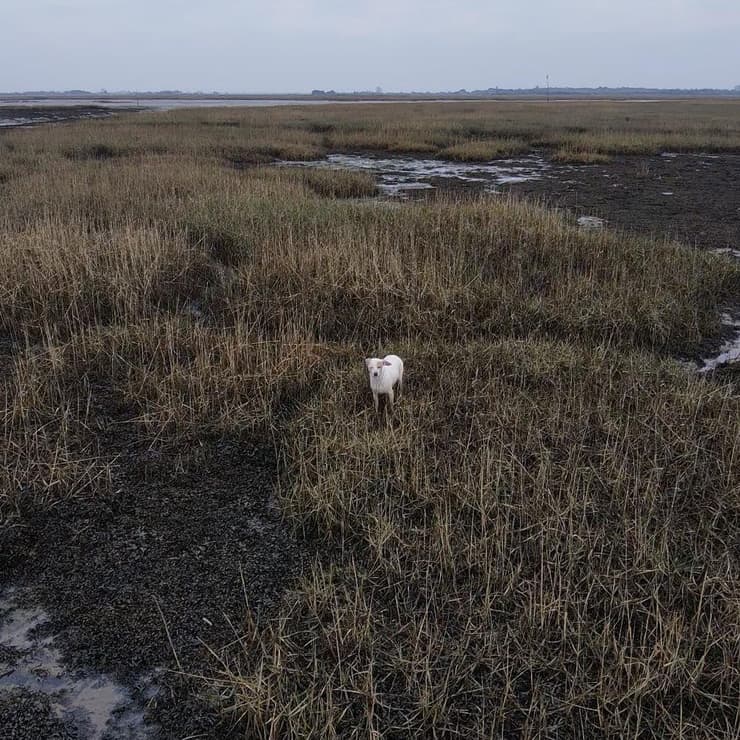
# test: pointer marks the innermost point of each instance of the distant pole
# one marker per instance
(547, 77)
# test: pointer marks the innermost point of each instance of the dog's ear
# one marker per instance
(368, 361)
(385, 362)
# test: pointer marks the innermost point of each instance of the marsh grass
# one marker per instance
(341, 183)
(543, 540)
(64, 274)
(527, 549)
(566, 155)
(481, 150)
(466, 131)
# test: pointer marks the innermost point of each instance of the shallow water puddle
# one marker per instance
(591, 222)
(729, 352)
(399, 174)
(728, 251)
(95, 705)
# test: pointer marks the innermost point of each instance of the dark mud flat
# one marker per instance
(28, 715)
(692, 198)
(17, 116)
(189, 534)
(689, 197)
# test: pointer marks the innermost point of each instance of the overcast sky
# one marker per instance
(296, 45)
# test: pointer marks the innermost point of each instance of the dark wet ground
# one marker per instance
(33, 675)
(16, 116)
(190, 534)
(694, 198)
(30, 715)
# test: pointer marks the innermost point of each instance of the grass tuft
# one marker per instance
(574, 156)
(481, 151)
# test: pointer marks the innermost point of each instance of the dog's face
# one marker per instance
(374, 366)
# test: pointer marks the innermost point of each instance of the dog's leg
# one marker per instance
(376, 402)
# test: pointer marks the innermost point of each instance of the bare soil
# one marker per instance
(190, 533)
(693, 198)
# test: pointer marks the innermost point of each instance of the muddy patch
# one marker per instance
(691, 198)
(729, 352)
(163, 565)
(33, 675)
(399, 176)
(23, 116)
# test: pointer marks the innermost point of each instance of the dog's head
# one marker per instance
(375, 366)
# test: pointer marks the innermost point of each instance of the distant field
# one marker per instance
(568, 131)
(544, 542)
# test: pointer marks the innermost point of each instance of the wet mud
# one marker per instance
(23, 116)
(71, 703)
(109, 604)
(692, 198)
(400, 176)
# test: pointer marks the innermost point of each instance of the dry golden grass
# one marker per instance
(340, 183)
(481, 150)
(579, 156)
(116, 242)
(539, 544)
(544, 541)
(461, 130)
(66, 274)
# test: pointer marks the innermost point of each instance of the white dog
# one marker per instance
(384, 375)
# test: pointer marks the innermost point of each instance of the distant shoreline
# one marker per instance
(24, 110)
(533, 94)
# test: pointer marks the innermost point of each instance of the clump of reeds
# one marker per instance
(482, 150)
(579, 156)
